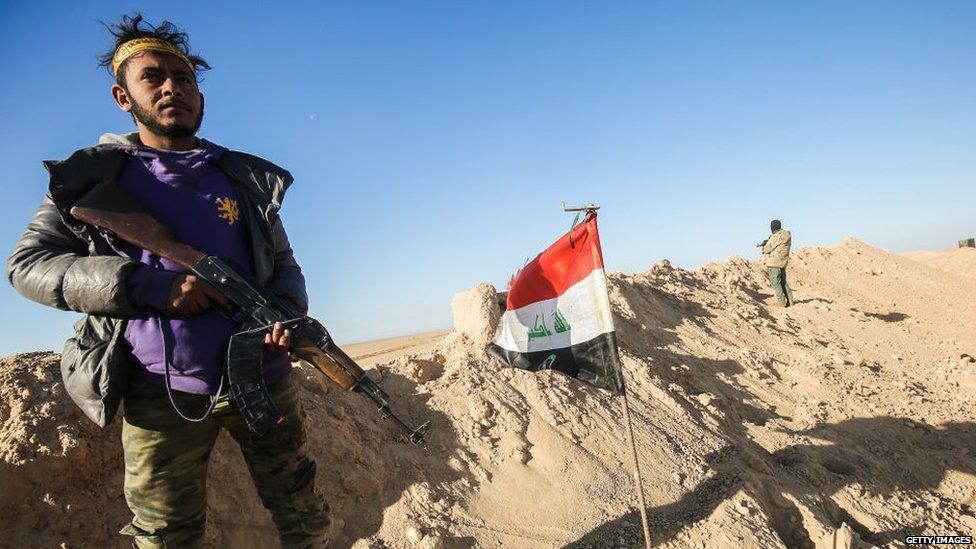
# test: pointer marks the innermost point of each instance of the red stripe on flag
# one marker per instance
(557, 268)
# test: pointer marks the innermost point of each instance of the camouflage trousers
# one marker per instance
(166, 467)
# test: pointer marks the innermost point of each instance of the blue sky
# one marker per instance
(432, 143)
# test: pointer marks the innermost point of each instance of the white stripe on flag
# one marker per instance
(583, 314)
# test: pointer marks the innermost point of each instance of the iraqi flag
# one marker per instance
(558, 313)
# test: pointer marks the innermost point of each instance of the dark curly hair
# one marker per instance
(130, 28)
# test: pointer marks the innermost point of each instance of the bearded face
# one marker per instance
(156, 121)
(162, 96)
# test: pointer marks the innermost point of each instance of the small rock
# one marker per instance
(664, 264)
(432, 542)
(480, 410)
(843, 537)
(873, 366)
(375, 374)
(312, 382)
(414, 534)
(45, 374)
(424, 370)
(838, 466)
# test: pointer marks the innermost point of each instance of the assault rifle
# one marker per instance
(763, 243)
(112, 209)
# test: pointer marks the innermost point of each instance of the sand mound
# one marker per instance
(960, 261)
(757, 426)
(54, 463)
(62, 476)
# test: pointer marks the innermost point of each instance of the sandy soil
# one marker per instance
(370, 353)
(844, 421)
(960, 261)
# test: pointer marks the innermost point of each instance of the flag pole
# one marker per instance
(637, 474)
(638, 480)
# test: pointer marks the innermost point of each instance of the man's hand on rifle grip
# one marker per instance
(189, 295)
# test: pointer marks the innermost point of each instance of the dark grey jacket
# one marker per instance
(64, 263)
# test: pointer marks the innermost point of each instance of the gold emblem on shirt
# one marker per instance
(227, 210)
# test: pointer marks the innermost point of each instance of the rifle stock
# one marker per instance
(324, 363)
(112, 209)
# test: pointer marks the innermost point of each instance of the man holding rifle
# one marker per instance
(156, 335)
(776, 255)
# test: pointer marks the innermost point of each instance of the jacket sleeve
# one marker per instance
(288, 281)
(51, 265)
(774, 242)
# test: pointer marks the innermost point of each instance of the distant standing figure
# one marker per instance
(776, 254)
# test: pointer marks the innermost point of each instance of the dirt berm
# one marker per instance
(844, 421)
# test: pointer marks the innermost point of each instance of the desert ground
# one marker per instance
(846, 420)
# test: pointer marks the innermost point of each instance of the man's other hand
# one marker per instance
(278, 340)
(191, 296)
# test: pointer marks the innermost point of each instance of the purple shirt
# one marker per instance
(201, 206)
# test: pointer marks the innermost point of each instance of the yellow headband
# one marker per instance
(139, 45)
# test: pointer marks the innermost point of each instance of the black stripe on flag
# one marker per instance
(594, 361)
